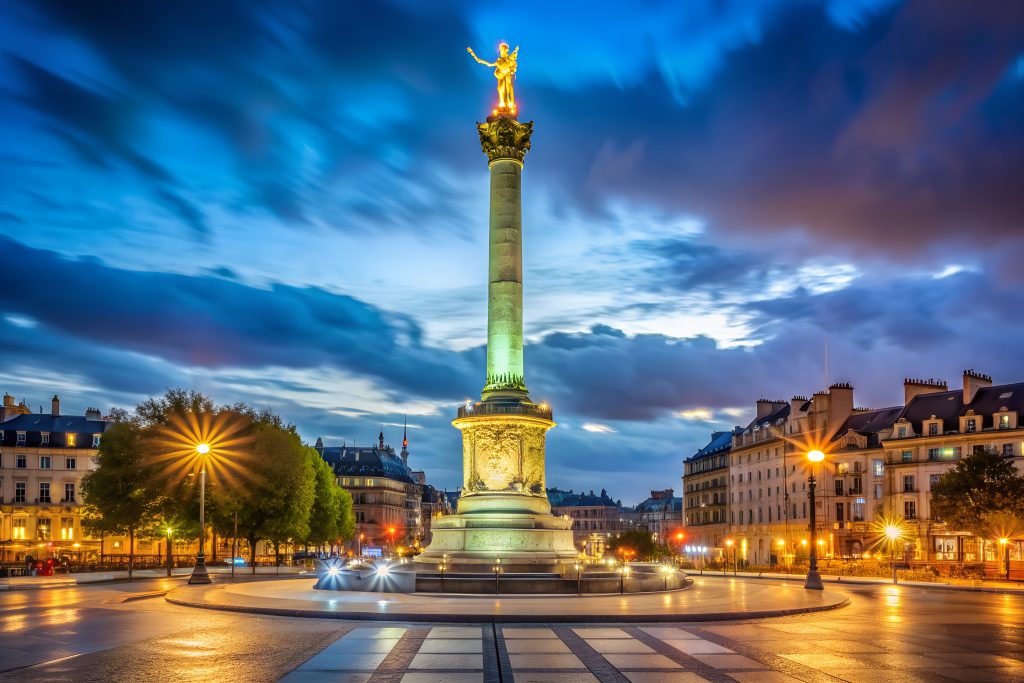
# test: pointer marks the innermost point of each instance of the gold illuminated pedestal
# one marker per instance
(503, 512)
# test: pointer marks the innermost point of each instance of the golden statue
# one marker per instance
(505, 72)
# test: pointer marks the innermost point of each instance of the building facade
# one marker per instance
(705, 493)
(595, 518)
(661, 515)
(43, 458)
(387, 496)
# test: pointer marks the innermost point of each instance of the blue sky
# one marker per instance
(285, 203)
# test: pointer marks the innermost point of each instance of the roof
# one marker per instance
(948, 406)
(870, 422)
(368, 461)
(780, 413)
(674, 504)
(559, 498)
(721, 442)
(34, 424)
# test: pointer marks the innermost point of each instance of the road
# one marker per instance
(122, 632)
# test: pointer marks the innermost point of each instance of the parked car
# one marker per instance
(237, 561)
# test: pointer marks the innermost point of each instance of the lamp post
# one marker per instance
(893, 533)
(391, 539)
(199, 574)
(579, 580)
(813, 580)
(359, 546)
(170, 551)
(442, 567)
(729, 543)
(497, 570)
(1005, 542)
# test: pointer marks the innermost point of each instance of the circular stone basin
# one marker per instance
(709, 599)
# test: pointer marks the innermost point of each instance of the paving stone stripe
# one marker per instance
(397, 662)
(591, 658)
(503, 669)
(687, 661)
(773, 661)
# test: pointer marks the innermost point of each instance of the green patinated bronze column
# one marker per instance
(505, 141)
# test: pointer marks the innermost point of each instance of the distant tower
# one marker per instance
(405, 442)
(380, 440)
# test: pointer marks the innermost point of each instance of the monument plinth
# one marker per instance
(503, 512)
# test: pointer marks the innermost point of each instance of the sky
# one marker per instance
(285, 203)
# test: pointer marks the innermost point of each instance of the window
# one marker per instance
(71, 463)
(1007, 449)
(908, 483)
(71, 439)
(970, 425)
(839, 487)
(878, 491)
(842, 469)
(45, 438)
(44, 492)
(933, 429)
(20, 461)
(67, 529)
(910, 509)
(805, 509)
(856, 486)
(839, 512)
(18, 529)
(907, 456)
(43, 529)
(933, 453)
(95, 440)
(1004, 421)
(369, 482)
(69, 493)
(21, 439)
(933, 479)
(878, 467)
(902, 432)
(44, 462)
(19, 491)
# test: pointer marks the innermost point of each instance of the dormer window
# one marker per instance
(21, 439)
(933, 429)
(970, 425)
(45, 438)
(1004, 421)
(71, 439)
(901, 433)
(95, 440)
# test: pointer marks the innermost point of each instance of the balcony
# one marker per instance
(541, 411)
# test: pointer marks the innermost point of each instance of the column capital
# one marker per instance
(503, 137)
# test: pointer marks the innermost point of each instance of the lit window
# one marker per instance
(879, 467)
(1004, 421)
(970, 425)
(43, 529)
(67, 529)
(71, 439)
(18, 529)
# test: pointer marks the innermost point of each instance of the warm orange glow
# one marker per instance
(680, 536)
(211, 441)
(815, 455)
(729, 542)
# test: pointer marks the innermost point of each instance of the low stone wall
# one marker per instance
(534, 585)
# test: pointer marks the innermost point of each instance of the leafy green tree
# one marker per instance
(331, 519)
(278, 497)
(981, 487)
(641, 544)
(120, 491)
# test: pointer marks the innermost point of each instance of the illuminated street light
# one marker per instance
(170, 551)
(1005, 542)
(813, 580)
(199, 574)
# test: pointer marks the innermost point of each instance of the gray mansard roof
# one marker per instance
(366, 461)
(35, 424)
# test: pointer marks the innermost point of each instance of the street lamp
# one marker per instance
(729, 543)
(813, 581)
(199, 574)
(170, 551)
(391, 538)
(497, 570)
(1005, 542)
(442, 567)
(579, 580)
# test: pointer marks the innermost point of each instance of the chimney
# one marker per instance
(840, 403)
(916, 387)
(972, 382)
(55, 405)
(93, 414)
(8, 401)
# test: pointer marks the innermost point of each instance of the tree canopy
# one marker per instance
(980, 494)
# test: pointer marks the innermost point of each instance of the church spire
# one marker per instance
(405, 440)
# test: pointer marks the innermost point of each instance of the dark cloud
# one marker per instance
(213, 322)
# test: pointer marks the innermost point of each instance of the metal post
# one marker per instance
(199, 574)
(170, 552)
(234, 545)
(1007, 545)
(813, 581)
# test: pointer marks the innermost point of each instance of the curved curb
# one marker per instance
(509, 618)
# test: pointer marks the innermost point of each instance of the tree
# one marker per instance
(120, 491)
(278, 495)
(331, 519)
(640, 543)
(982, 487)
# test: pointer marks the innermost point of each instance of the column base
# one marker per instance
(199, 574)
